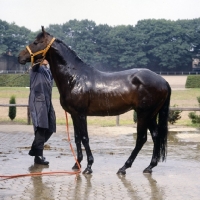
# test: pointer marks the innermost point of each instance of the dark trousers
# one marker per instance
(41, 136)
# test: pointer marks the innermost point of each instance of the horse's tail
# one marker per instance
(163, 127)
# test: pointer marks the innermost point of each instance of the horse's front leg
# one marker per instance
(81, 135)
(77, 137)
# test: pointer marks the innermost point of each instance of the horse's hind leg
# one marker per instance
(81, 135)
(153, 127)
(141, 139)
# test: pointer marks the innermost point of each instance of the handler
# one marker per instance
(41, 109)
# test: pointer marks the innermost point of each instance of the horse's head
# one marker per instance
(36, 51)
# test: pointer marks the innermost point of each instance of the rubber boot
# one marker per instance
(40, 160)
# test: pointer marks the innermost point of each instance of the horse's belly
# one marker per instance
(108, 109)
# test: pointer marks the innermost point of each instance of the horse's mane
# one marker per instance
(72, 53)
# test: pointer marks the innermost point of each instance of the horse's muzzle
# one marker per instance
(21, 60)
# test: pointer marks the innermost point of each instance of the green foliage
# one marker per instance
(193, 81)
(160, 45)
(198, 99)
(13, 38)
(12, 109)
(134, 116)
(194, 117)
(174, 115)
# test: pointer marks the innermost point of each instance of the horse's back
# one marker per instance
(120, 92)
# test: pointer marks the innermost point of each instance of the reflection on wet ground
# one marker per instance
(177, 178)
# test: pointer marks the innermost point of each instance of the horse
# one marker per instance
(85, 91)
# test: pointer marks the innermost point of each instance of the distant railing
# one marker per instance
(178, 73)
(171, 108)
(13, 71)
(184, 109)
(157, 72)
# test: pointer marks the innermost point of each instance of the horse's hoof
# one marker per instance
(75, 167)
(87, 171)
(121, 172)
(147, 171)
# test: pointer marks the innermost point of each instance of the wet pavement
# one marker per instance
(177, 178)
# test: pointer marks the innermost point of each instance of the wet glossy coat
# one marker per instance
(86, 91)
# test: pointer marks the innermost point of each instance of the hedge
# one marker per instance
(15, 80)
(193, 81)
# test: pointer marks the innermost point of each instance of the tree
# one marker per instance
(159, 45)
(12, 38)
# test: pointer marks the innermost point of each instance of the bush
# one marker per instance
(12, 109)
(198, 99)
(16, 80)
(193, 116)
(173, 116)
(134, 116)
(193, 81)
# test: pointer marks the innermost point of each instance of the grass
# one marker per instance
(181, 98)
(186, 94)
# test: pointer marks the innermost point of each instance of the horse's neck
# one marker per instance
(67, 58)
(65, 65)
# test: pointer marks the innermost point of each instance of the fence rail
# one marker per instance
(184, 109)
(157, 72)
(117, 117)
(20, 105)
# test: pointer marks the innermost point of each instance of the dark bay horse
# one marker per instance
(85, 91)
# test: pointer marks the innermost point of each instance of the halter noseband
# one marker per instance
(44, 51)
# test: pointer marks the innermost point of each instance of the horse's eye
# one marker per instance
(35, 43)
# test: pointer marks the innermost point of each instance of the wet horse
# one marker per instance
(86, 91)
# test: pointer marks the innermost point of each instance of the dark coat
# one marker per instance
(40, 105)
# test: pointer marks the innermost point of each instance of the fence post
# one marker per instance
(117, 120)
(28, 116)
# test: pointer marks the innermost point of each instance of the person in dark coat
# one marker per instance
(41, 109)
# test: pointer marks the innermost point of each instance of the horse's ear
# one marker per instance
(43, 29)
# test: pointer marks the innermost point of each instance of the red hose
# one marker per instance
(54, 172)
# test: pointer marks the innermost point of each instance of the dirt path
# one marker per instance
(176, 81)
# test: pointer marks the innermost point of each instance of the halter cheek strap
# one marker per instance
(44, 51)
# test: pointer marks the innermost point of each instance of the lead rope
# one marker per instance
(50, 173)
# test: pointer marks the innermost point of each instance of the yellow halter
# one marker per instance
(44, 51)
